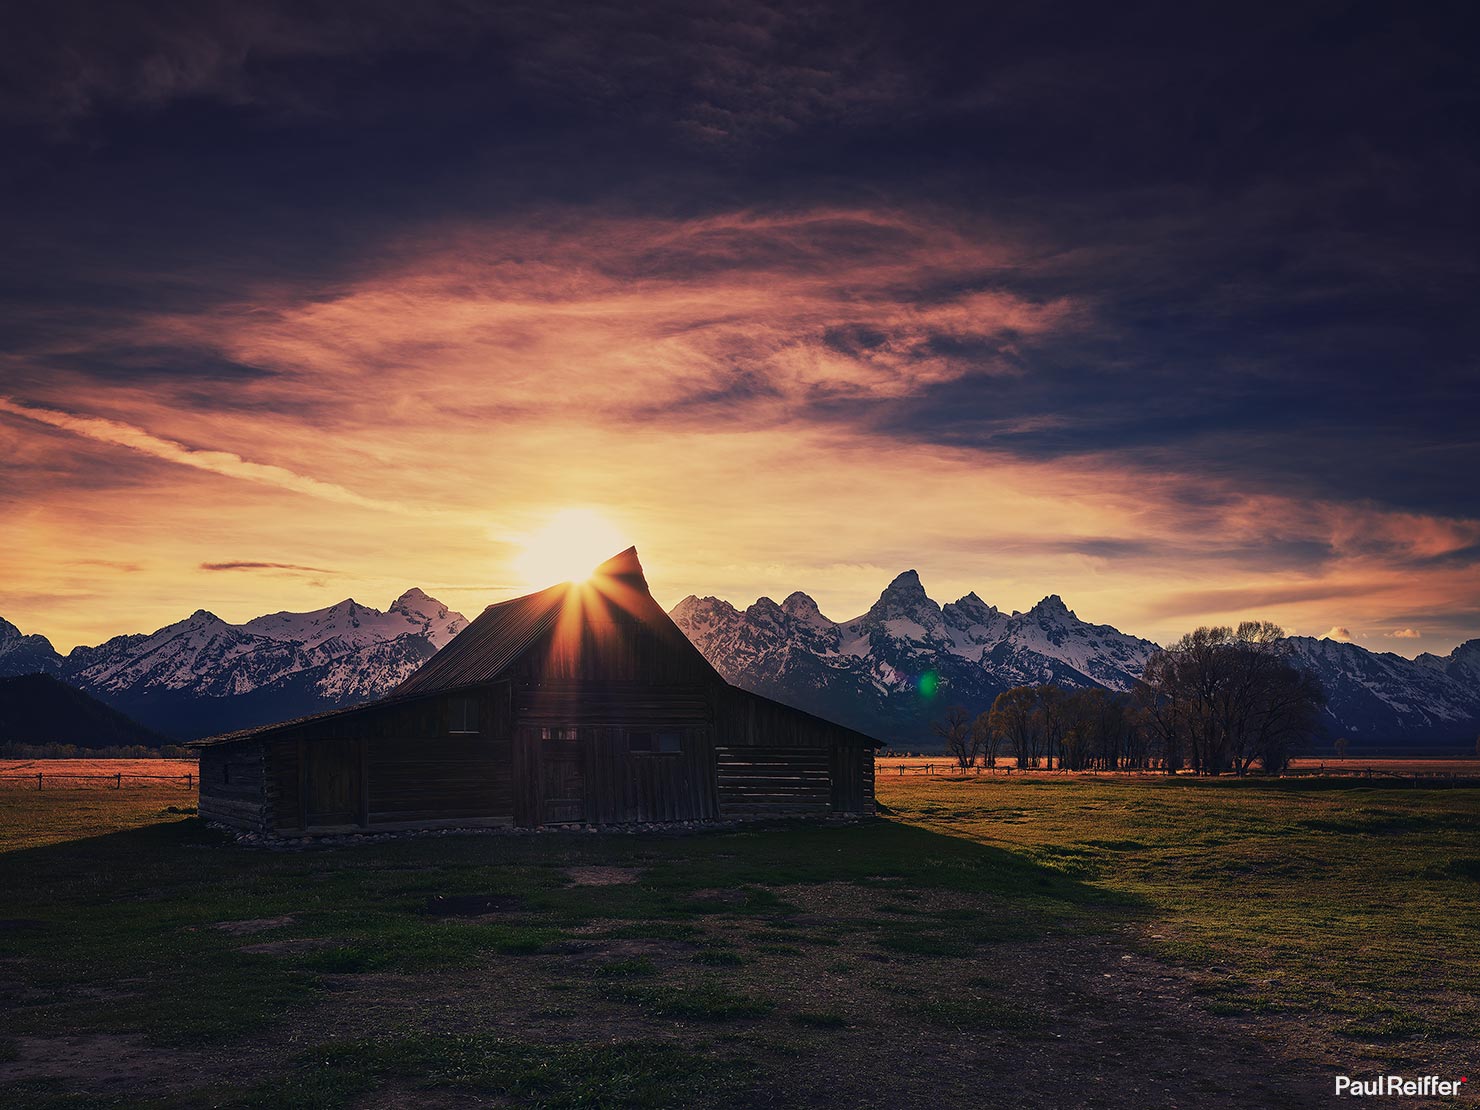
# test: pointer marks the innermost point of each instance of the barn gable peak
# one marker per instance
(625, 567)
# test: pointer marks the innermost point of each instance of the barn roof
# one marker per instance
(502, 633)
(485, 648)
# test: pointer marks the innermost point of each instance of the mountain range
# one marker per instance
(202, 675)
(894, 669)
(888, 672)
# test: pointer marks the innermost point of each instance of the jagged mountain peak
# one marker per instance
(970, 610)
(906, 582)
(903, 597)
(800, 606)
(1053, 605)
(694, 613)
(417, 603)
(862, 672)
(202, 674)
(764, 606)
(23, 654)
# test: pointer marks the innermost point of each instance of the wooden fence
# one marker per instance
(61, 779)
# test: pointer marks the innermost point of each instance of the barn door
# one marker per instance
(562, 781)
(333, 783)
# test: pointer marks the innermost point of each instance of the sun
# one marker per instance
(568, 547)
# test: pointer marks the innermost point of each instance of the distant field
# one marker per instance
(942, 762)
(25, 769)
(71, 809)
(995, 941)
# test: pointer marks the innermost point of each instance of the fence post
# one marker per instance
(38, 780)
(189, 780)
(118, 781)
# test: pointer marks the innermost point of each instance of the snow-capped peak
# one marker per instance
(1053, 605)
(801, 607)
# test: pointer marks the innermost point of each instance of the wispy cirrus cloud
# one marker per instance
(292, 568)
(757, 313)
(224, 463)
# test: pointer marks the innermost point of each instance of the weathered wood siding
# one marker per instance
(596, 778)
(757, 778)
(613, 672)
(619, 669)
(852, 770)
(396, 766)
(775, 759)
(232, 786)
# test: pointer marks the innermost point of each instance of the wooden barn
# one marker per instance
(583, 703)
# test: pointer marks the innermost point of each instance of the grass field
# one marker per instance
(991, 942)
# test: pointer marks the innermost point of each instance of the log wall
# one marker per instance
(416, 763)
(596, 778)
(232, 786)
(395, 766)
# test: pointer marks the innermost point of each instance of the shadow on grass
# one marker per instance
(144, 907)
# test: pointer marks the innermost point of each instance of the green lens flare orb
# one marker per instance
(929, 682)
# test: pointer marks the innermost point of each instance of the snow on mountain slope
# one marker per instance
(202, 654)
(894, 669)
(1462, 664)
(888, 670)
(1380, 694)
(21, 654)
(202, 674)
(352, 625)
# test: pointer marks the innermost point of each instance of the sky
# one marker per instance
(1167, 311)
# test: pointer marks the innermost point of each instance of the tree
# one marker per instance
(1229, 698)
(1053, 718)
(1013, 718)
(1157, 715)
(958, 734)
(988, 740)
(1340, 745)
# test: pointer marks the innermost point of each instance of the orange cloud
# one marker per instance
(218, 462)
(408, 426)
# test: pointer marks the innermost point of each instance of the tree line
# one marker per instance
(1219, 699)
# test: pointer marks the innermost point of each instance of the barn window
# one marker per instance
(644, 741)
(462, 716)
(549, 732)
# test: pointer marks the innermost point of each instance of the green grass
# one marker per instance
(741, 964)
(706, 1000)
(1312, 897)
(632, 1073)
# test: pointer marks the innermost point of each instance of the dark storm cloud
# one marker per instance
(1266, 215)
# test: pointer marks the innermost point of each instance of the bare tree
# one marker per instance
(988, 740)
(1053, 718)
(1341, 745)
(1013, 718)
(1231, 697)
(958, 734)
(1158, 714)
